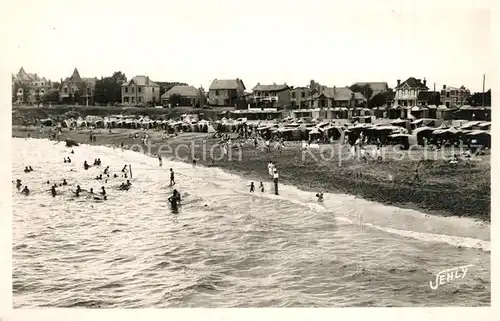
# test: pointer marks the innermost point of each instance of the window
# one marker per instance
(132, 90)
(448, 94)
(293, 94)
(139, 89)
(66, 90)
(126, 89)
(153, 89)
(216, 92)
(303, 94)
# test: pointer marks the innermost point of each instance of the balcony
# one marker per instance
(266, 98)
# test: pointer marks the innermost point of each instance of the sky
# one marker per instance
(273, 41)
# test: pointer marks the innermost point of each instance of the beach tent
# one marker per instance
(478, 137)
(400, 139)
(315, 134)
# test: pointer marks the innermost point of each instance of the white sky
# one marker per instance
(447, 42)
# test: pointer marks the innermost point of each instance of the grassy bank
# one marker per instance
(22, 115)
(461, 189)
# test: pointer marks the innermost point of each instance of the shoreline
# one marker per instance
(431, 199)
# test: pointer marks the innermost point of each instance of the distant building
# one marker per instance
(271, 96)
(77, 90)
(377, 87)
(186, 96)
(408, 91)
(227, 92)
(300, 97)
(140, 91)
(452, 96)
(29, 87)
(330, 97)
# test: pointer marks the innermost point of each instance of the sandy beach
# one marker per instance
(461, 189)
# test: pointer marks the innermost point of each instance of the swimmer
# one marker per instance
(64, 182)
(106, 170)
(124, 169)
(85, 165)
(252, 187)
(53, 191)
(25, 191)
(194, 162)
(99, 177)
(98, 162)
(95, 162)
(261, 187)
(31, 169)
(72, 152)
(26, 169)
(18, 183)
(65, 160)
(115, 176)
(103, 191)
(78, 190)
(160, 160)
(128, 183)
(99, 199)
(320, 197)
(69, 160)
(91, 191)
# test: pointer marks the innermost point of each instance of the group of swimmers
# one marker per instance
(28, 169)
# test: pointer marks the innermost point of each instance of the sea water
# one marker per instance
(225, 247)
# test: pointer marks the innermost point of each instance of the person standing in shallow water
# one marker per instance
(275, 180)
(261, 187)
(172, 177)
(252, 187)
(160, 160)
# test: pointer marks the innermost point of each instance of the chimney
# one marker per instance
(147, 80)
(258, 84)
(399, 82)
(425, 82)
(444, 86)
(334, 89)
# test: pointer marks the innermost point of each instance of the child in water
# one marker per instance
(320, 197)
(261, 187)
(252, 187)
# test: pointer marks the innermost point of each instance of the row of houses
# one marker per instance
(142, 91)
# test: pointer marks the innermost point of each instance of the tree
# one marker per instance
(434, 99)
(51, 95)
(477, 99)
(366, 90)
(109, 89)
(377, 101)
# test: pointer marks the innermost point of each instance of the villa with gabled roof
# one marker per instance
(29, 87)
(75, 89)
(140, 91)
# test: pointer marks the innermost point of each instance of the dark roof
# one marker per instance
(226, 84)
(413, 83)
(338, 93)
(272, 87)
(183, 91)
